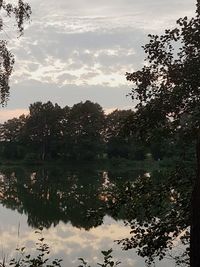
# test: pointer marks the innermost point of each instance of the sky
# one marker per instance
(77, 50)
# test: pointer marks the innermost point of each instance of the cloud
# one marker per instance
(107, 53)
(74, 51)
(29, 91)
(74, 39)
(109, 8)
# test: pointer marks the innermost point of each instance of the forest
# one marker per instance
(82, 132)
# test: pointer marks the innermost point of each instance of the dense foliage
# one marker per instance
(82, 132)
(158, 212)
(21, 12)
(167, 90)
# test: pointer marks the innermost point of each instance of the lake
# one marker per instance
(74, 207)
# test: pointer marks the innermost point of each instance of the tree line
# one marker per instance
(82, 132)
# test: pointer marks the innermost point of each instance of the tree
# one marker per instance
(85, 130)
(21, 12)
(121, 143)
(167, 89)
(117, 143)
(11, 133)
(157, 210)
(115, 122)
(11, 130)
(43, 128)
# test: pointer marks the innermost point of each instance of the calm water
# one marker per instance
(73, 205)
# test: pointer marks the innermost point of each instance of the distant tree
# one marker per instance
(21, 12)
(11, 132)
(85, 130)
(167, 89)
(43, 129)
(117, 142)
(115, 122)
(120, 142)
(64, 143)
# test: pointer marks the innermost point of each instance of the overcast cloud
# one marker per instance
(80, 49)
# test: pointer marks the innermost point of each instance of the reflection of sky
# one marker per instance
(68, 242)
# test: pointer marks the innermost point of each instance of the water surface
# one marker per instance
(73, 205)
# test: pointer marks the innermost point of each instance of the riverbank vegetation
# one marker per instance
(82, 132)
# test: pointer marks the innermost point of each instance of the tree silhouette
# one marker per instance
(21, 12)
(167, 89)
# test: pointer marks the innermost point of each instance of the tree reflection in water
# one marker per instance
(47, 196)
(155, 205)
(157, 209)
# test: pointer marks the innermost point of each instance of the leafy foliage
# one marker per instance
(167, 90)
(108, 260)
(41, 259)
(167, 87)
(82, 132)
(21, 13)
(158, 212)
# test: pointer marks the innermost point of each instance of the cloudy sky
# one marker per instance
(74, 50)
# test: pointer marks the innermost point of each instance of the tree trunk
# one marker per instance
(43, 150)
(195, 216)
